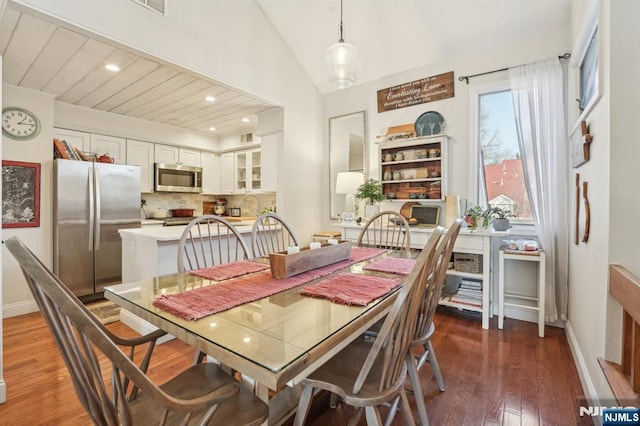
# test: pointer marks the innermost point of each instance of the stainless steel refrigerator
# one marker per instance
(91, 201)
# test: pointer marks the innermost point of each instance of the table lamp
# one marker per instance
(348, 183)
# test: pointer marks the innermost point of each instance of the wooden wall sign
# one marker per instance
(416, 92)
(580, 145)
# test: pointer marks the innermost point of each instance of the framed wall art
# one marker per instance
(20, 194)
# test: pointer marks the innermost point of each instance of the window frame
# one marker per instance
(476, 189)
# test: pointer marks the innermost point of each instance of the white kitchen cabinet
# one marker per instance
(189, 157)
(141, 154)
(227, 170)
(166, 154)
(112, 146)
(177, 155)
(80, 140)
(248, 174)
(210, 175)
(95, 143)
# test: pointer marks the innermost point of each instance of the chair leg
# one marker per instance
(417, 388)
(435, 366)
(373, 415)
(333, 400)
(355, 419)
(405, 408)
(304, 404)
(393, 409)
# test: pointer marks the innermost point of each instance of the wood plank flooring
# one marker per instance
(493, 377)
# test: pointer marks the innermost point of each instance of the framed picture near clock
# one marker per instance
(19, 123)
(20, 194)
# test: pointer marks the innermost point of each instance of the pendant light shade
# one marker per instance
(341, 61)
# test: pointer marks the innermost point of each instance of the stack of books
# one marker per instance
(63, 149)
(469, 293)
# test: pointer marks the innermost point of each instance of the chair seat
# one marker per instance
(340, 373)
(198, 380)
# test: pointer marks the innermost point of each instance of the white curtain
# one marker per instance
(537, 91)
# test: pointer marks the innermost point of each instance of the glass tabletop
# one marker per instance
(272, 332)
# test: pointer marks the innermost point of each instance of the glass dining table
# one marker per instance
(276, 340)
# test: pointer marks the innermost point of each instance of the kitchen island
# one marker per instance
(151, 251)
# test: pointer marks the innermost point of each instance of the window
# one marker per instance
(500, 180)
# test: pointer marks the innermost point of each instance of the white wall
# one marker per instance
(595, 323)
(85, 119)
(17, 298)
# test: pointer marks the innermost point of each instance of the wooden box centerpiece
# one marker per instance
(285, 265)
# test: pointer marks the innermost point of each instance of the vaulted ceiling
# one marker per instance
(391, 36)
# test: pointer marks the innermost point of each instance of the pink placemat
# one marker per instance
(229, 270)
(351, 289)
(392, 265)
(200, 302)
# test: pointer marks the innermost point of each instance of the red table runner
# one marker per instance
(198, 303)
(351, 289)
(229, 270)
(392, 265)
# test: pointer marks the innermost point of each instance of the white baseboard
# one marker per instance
(141, 326)
(20, 308)
(583, 373)
(3, 391)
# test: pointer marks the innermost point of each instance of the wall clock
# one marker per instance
(19, 123)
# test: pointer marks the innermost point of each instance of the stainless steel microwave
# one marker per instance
(177, 178)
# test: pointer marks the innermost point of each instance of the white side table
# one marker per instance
(520, 301)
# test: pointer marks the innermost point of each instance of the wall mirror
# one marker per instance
(347, 153)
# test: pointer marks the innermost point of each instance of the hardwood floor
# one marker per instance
(492, 377)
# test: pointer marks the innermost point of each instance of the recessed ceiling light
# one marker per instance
(112, 67)
(213, 129)
(210, 98)
(245, 120)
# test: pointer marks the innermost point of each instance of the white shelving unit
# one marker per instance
(477, 242)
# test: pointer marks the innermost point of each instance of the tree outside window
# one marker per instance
(503, 176)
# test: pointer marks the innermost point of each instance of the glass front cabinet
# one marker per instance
(248, 170)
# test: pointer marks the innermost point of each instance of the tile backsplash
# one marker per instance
(173, 200)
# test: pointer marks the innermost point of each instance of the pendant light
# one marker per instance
(341, 61)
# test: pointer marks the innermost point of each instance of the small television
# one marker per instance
(427, 216)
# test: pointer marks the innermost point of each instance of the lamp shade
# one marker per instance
(341, 64)
(348, 182)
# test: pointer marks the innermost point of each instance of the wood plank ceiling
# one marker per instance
(45, 56)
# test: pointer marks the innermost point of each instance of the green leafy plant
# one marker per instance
(498, 213)
(370, 192)
(477, 216)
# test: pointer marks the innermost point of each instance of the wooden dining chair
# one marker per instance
(210, 240)
(387, 229)
(367, 375)
(201, 394)
(271, 234)
(206, 241)
(424, 328)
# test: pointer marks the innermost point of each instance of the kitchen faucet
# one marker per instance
(257, 200)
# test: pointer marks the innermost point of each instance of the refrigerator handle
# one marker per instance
(98, 210)
(91, 209)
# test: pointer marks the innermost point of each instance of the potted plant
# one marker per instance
(371, 193)
(500, 218)
(476, 217)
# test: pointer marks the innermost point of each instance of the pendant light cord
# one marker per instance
(341, 39)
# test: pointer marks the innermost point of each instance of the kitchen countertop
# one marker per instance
(157, 234)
